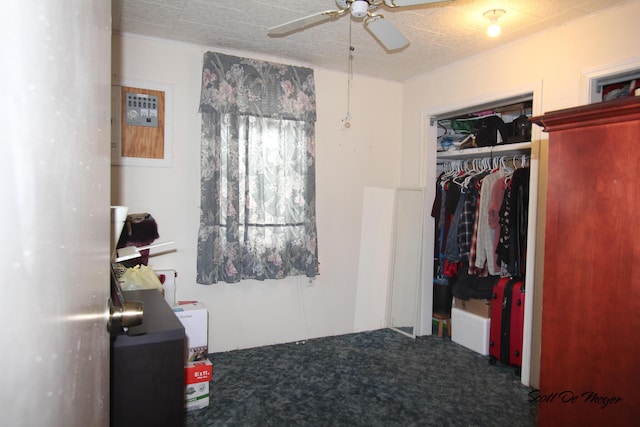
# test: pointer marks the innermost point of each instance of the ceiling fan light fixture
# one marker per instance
(359, 9)
(389, 37)
(492, 15)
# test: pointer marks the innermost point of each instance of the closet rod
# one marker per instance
(455, 162)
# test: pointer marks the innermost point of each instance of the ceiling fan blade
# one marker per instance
(388, 35)
(302, 23)
(403, 3)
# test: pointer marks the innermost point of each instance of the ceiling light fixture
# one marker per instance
(493, 15)
(359, 9)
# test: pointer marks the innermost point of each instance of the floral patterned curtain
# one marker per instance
(258, 216)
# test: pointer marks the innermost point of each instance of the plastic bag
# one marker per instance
(140, 277)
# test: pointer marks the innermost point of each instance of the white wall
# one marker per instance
(254, 313)
(553, 62)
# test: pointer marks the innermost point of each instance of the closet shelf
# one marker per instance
(503, 149)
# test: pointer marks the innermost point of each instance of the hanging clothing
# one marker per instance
(485, 248)
(514, 217)
(481, 223)
(493, 217)
(452, 250)
(472, 269)
(468, 216)
(452, 196)
(436, 214)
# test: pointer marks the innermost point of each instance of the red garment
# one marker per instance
(450, 269)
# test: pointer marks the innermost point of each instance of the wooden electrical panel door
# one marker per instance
(142, 118)
(589, 366)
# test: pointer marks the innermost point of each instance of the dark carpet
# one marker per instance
(378, 378)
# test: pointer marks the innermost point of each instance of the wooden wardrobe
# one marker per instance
(590, 348)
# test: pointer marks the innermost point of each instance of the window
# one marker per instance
(257, 171)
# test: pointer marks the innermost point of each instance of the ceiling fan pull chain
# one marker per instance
(347, 119)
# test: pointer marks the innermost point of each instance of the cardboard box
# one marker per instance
(197, 376)
(196, 395)
(197, 372)
(480, 307)
(195, 319)
(470, 330)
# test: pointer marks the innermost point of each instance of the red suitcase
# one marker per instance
(507, 322)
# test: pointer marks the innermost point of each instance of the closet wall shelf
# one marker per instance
(504, 149)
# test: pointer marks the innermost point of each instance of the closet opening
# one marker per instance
(470, 144)
(614, 86)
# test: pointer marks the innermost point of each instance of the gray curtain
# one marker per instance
(258, 215)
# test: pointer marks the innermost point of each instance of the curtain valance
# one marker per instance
(234, 85)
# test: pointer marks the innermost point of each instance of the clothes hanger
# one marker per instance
(451, 169)
(508, 169)
(509, 172)
(462, 176)
(474, 169)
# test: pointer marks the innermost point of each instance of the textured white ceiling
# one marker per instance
(439, 34)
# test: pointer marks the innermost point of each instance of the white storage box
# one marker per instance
(470, 330)
(195, 319)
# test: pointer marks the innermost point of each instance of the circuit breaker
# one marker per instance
(141, 109)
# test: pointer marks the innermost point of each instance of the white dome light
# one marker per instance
(492, 15)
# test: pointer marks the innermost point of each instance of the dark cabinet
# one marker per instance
(147, 367)
(589, 368)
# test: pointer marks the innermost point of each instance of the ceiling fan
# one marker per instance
(387, 34)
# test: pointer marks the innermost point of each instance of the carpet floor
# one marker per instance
(377, 378)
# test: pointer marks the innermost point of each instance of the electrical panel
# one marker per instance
(143, 123)
(141, 109)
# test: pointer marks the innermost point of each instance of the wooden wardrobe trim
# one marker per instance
(623, 109)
